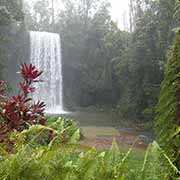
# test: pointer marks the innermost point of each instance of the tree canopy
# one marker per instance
(103, 65)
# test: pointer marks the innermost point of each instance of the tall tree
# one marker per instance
(39, 15)
(14, 7)
(83, 26)
(10, 11)
(150, 40)
(108, 66)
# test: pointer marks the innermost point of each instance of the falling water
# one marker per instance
(46, 56)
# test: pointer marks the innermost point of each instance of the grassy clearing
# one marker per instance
(92, 131)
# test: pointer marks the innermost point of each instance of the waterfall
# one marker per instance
(46, 56)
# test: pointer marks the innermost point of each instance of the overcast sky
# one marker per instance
(119, 11)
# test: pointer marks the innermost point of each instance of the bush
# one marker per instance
(18, 111)
(60, 132)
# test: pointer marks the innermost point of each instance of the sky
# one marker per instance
(119, 12)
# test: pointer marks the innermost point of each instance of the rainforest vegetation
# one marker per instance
(103, 65)
(134, 73)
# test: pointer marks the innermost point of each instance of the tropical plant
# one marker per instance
(168, 108)
(18, 112)
(60, 163)
(65, 131)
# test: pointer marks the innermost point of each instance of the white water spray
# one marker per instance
(46, 56)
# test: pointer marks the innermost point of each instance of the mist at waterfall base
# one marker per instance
(46, 56)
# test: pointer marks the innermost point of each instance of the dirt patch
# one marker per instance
(102, 137)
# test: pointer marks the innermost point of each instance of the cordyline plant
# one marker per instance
(18, 112)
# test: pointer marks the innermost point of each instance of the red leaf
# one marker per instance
(17, 111)
(26, 89)
(30, 73)
(2, 87)
(42, 121)
(38, 107)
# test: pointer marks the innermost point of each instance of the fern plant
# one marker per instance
(157, 165)
(64, 164)
(168, 108)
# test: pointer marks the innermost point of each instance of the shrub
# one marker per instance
(60, 132)
(18, 111)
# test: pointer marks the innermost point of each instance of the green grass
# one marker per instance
(90, 131)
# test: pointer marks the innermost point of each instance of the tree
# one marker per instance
(14, 7)
(83, 26)
(12, 38)
(177, 16)
(105, 66)
(11, 21)
(149, 41)
(39, 16)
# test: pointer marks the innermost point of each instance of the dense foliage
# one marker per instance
(34, 157)
(103, 65)
(168, 109)
(11, 34)
(18, 111)
(145, 57)
(11, 9)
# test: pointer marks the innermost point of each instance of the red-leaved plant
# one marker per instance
(18, 112)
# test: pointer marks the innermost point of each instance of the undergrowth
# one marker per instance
(34, 158)
(33, 148)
